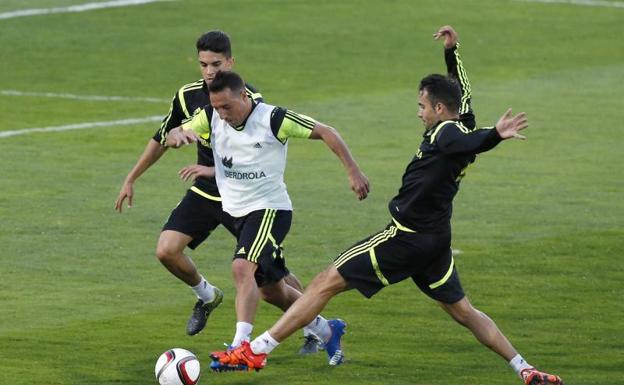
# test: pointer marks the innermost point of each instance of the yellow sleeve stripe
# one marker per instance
(163, 126)
(183, 102)
(465, 84)
(462, 127)
(300, 119)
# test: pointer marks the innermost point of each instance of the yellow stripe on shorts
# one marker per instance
(380, 275)
(368, 245)
(262, 236)
(446, 276)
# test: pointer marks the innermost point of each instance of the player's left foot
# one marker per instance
(333, 346)
(532, 376)
(240, 358)
(311, 345)
(201, 312)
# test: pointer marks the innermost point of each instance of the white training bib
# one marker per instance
(250, 163)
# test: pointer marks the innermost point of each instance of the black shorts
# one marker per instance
(196, 216)
(393, 255)
(259, 237)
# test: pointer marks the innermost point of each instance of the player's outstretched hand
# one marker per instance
(127, 191)
(178, 137)
(359, 184)
(194, 171)
(508, 125)
(448, 33)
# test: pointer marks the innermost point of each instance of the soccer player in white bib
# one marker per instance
(200, 211)
(250, 141)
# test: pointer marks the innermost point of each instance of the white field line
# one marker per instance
(589, 3)
(84, 97)
(75, 8)
(79, 126)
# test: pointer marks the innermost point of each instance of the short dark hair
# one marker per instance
(215, 41)
(442, 89)
(227, 79)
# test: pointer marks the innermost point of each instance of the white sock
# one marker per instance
(518, 364)
(264, 343)
(320, 328)
(243, 333)
(204, 290)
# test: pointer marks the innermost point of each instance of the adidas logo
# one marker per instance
(241, 251)
(257, 145)
(227, 162)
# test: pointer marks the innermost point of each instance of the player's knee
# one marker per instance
(461, 317)
(271, 296)
(266, 296)
(166, 253)
(292, 281)
(462, 312)
(242, 270)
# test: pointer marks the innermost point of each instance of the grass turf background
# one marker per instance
(539, 223)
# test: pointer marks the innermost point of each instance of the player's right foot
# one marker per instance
(201, 311)
(240, 358)
(216, 366)
(532, 376)
(333, 346)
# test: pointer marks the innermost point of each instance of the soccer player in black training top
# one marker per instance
(417, 242)
(199, 212)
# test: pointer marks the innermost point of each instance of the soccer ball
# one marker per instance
(177, 367)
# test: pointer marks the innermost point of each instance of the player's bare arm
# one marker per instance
(153, 151)
(333, 140)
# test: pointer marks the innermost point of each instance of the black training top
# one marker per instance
(431, 180)
(190, 99)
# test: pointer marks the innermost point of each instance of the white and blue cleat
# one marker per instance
(333, 346)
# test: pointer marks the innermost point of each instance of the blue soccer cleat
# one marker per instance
(216, 366)
(333, 347)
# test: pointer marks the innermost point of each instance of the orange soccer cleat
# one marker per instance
(240, 358)
(532, 376)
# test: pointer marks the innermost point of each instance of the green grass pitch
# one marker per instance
(83, 300)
